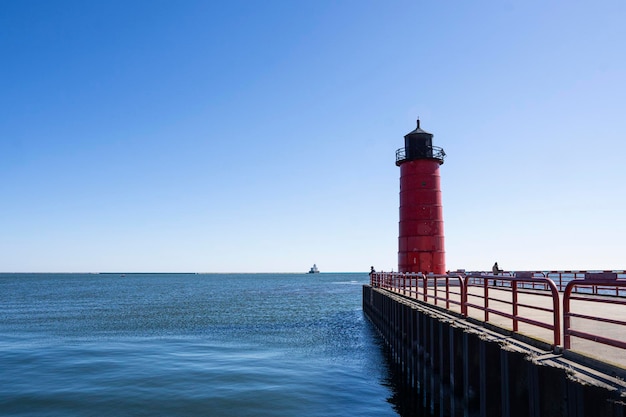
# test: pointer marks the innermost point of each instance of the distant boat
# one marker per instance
(314, 270)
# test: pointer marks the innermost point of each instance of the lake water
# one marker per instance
(190, 345)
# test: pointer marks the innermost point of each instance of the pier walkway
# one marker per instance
(578, 313)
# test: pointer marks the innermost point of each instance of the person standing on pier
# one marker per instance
(496, 269)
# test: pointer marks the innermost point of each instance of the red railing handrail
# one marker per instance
(435, 279)
(398, 281)
(594, 284)
(560, 277)
(513, 285)
(585, 288)
(419, 286)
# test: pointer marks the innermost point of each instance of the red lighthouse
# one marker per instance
(420, 242)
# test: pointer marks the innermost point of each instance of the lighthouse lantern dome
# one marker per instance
(418, 144)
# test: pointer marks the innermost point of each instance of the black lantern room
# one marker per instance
(418, 144)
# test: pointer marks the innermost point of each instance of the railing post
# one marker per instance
(447, 292)
(566, 317)
(557, 313)
(463, 283)
(486, 298)
(404, 283)
(515, 322)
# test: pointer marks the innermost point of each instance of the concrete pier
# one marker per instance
(457, 367)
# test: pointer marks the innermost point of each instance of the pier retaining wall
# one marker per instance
(455, 367)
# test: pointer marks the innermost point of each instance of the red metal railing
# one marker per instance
(513, 285)
(562, 278)
(489, 294)
(394, 281)
(446, 290)
(594, 283)
(453, 292)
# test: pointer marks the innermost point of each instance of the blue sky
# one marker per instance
(250, 136)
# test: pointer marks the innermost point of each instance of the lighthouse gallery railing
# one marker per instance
(434, 152)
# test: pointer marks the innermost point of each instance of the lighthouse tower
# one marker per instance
(420, 242)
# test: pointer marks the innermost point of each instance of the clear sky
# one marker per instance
(260, 136)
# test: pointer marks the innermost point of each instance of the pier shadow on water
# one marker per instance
(405, 399)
